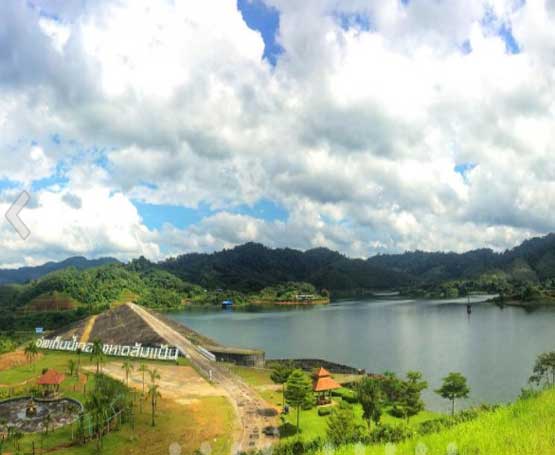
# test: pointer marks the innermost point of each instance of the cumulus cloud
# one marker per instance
(357, 131)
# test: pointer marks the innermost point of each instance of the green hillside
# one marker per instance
(525, 273)
(523, 428)
(66, 295)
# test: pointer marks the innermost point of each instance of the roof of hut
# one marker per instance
(51, 377)
(323, 381)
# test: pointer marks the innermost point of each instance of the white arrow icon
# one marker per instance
(12, 215)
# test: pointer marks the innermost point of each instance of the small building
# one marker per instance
(323, 385)
(50, 383)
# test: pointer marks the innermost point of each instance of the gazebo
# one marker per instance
(50, 383)
(323, 385)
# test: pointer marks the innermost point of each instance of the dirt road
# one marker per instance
(247, 403)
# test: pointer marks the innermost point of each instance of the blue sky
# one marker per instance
(264, 19)
(156, 215)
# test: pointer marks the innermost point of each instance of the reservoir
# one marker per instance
(494, 348)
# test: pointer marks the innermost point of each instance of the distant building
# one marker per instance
(227, 304)
(304, 297)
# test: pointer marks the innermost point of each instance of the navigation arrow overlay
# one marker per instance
(12, 215)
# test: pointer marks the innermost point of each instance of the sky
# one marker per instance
(167, 127)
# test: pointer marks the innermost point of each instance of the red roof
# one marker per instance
(322, 373)
(323, 384)
(51, 377)
(323, 381)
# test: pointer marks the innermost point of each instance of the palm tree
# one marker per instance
(97, 354)
(97, 408)
(128, 367)
(143, 369)
(71, 366)
(154, 374)
(154, 393)
(31, 351)
(78, 351)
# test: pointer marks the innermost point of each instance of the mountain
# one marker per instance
(532, 261)
(25, 274)
(252, 267)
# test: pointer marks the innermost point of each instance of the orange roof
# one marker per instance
(322, 373)
(51, 377)
(324, 383)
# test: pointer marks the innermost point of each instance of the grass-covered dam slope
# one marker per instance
(526, 427)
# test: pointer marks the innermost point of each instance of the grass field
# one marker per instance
(311, 424)
(526, 427)
(206, 419)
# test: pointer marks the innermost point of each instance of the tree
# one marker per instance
(47, 423)
(154, 375)
(298, 391)
(411, 402)
(454, 387)
(342, 427)
(71, 366)
(392, 387)
(143, 369)
(97, 409)
(31, 352)
(78, 351)
(97, 354)
(154, 393)
(128, 367)
(544, 370)
(280, 374)
(371, 396)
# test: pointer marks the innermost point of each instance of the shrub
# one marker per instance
(298, 447)
(526, 394)
(349, 396)
(390, 433)
(324, 411)
(432, 426)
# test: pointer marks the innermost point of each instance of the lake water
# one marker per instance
(494, 348)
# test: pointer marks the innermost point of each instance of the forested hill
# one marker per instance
(24, 274)
(252, 266)
(532, 261)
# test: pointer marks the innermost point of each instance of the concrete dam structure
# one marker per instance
(129, 325)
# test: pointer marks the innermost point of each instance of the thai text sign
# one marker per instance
(163, 352)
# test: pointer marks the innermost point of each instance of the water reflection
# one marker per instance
(495, 348)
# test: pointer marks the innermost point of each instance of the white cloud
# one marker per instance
(356, 133)
(102, 224)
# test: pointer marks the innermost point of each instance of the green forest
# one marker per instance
(253, 274)
(70, 294)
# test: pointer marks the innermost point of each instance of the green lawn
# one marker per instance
(209, 419)
(252, 376)
(526, 427)
(312, 425)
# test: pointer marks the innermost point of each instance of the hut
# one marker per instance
(50, 383)
(323, 385)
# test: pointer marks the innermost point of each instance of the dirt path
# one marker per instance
(15, 359)
(245, 400)
(176, 382)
